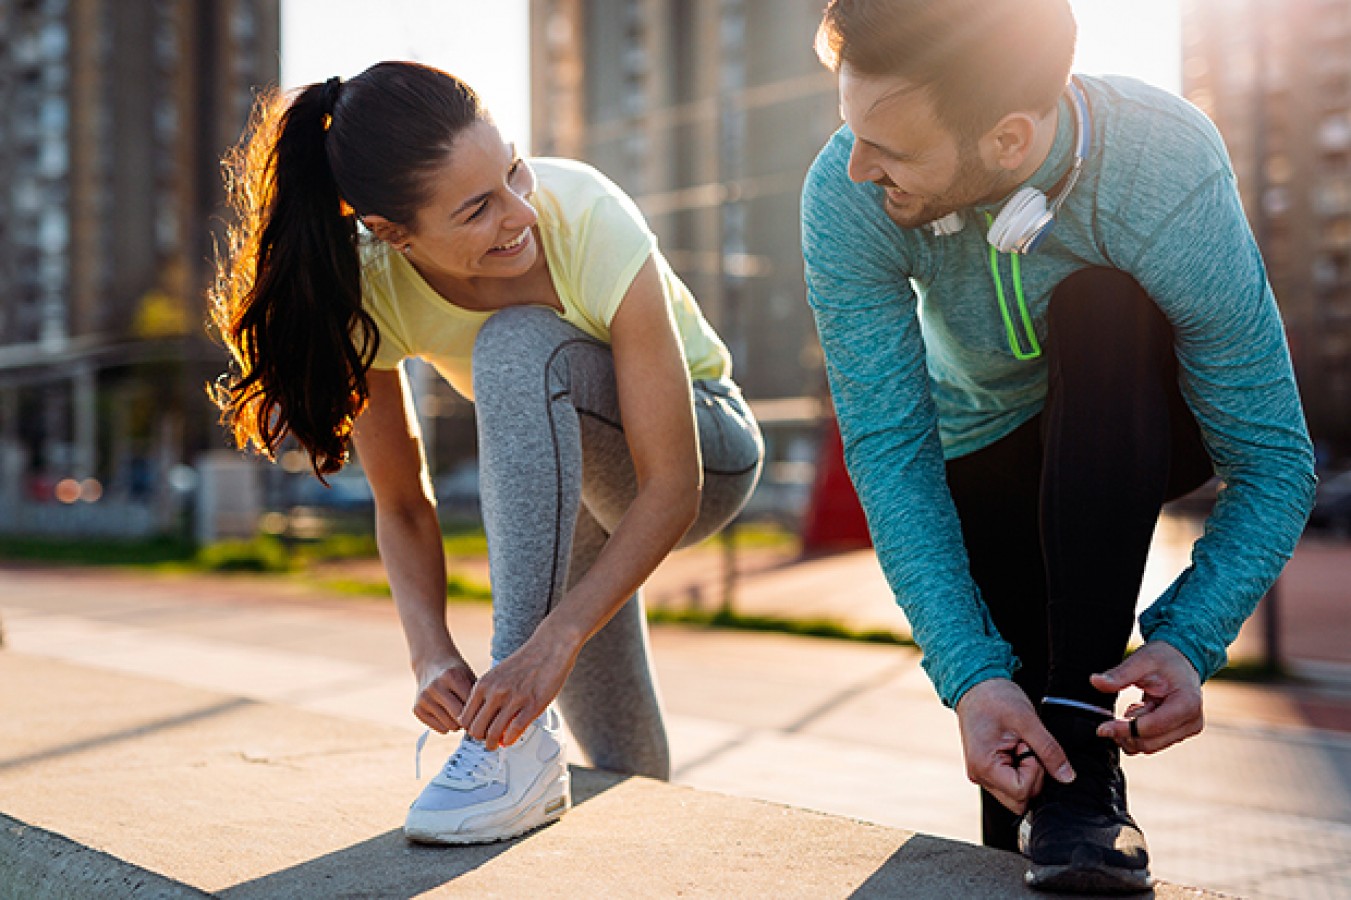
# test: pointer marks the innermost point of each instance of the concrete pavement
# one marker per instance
(161, 790)
(212, 713)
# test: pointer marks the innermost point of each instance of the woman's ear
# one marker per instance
(391, 233)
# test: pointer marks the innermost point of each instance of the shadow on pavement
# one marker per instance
(38, 864)
(388, 866)
(127, 734)
(929, 868)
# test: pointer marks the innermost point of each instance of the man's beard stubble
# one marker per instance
(972, 184)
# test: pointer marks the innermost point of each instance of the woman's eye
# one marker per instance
(477, 211)
(516, 168)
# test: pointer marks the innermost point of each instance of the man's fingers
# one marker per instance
(1153, 731)
(1013, 782)
(1049, 753)
(1118, 678)
(1004, 783)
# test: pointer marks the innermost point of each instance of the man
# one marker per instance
(1018, 400)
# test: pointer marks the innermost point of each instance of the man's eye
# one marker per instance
(516, 167)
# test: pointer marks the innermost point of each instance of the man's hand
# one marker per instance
(1008, 750)
(443, 689)
(1171, 708)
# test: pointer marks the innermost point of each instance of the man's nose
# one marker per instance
(862, 166)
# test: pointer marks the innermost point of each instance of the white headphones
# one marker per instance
(1027, 216)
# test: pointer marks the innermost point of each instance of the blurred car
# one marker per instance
(1332, 505)
(457, 491)
(347, 490)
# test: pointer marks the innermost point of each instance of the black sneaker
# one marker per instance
(1079, 837)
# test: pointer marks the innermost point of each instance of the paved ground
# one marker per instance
(167, 791)
(1260, 805)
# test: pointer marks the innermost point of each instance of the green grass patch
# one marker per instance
(354, 587)
(259, 554)
(1253, 671)
(338, 547)
(458, 588)
(97, 552)
(730, 619)
(755, 536)
(466, 542)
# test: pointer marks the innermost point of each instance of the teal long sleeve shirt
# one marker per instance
(921, 368)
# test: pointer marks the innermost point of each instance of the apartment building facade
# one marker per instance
(113, 119)
(1275, 76)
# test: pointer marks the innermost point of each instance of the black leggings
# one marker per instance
(1057, 517)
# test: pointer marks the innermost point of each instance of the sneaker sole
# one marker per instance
(1080, 879)
(555, 800)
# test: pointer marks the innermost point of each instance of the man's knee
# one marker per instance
(1101, 313)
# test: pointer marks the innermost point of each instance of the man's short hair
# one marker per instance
(979, 59)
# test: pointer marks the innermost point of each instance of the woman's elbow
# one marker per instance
(406, 511)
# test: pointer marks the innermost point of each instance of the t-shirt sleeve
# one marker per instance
(866, 314)
(612, 244)
(377, 300)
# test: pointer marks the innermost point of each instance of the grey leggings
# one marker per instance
(556, 477)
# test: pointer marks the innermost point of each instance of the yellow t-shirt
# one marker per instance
(595, 241)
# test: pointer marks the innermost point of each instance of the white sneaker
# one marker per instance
(485, 795)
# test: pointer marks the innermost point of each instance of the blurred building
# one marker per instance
(113, 117)
(708, 112)
(1275, 76)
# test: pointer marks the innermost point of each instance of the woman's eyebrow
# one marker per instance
(479, 198)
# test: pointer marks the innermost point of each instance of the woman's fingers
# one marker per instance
(433, 713)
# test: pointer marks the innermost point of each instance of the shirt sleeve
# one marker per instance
(1203, 268)
(378, 294)
(613, 243)
(865, 311)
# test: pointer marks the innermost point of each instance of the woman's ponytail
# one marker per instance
(287, 296)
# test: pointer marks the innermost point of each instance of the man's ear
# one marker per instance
(391, 233)
(1010, 140)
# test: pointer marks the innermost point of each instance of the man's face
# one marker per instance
(900, 144)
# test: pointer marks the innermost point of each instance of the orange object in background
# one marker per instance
(834, 520)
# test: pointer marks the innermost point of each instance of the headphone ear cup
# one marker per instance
(1018, 224)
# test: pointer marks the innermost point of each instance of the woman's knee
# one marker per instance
(508, 332)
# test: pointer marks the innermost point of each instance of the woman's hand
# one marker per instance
(516, 691)
(443, 689)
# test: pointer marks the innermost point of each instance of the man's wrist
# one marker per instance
(1193, 655)
(975, 679)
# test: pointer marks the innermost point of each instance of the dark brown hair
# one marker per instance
(979, 59)
(287, 295)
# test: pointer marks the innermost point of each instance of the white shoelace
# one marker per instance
(471, 760)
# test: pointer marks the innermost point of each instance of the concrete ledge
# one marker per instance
(112, 785)
(39, 865)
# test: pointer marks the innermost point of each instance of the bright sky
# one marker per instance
(487, 44)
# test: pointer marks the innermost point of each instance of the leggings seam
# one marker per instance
(617, 427)
(733, 472)
(558, 472)
(597, 416)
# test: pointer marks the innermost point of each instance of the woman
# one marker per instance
(609, 430)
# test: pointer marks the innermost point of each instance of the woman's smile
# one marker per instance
(513, 246)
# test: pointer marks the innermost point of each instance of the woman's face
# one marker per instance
(477, 222)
